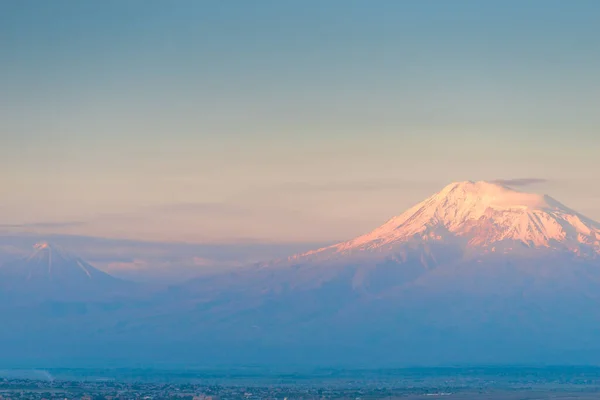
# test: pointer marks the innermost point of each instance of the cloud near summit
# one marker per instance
(520, 181)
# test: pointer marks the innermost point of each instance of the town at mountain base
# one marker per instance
(477, 273)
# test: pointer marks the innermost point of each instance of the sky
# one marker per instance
(287, 121)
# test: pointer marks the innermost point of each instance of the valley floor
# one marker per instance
(411, 384)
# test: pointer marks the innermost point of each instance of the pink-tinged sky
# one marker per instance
(287, 122)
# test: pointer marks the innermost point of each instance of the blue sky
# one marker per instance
(287, 120)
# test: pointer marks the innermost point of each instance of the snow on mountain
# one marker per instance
(481, 216)
(50, 269)
(51, 262)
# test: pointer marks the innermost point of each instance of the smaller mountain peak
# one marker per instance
(41, 246)
(46, 248)
(44, 245)
(51, 271)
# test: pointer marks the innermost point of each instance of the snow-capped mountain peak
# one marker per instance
(481, 215)
(46, 249)
(41, 246)
(52, 263)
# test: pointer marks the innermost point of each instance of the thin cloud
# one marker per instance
(355, 186)
(521, 181)
(203, 208)
(140, 215)
(64, 224)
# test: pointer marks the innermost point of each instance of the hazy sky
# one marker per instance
(287, 120)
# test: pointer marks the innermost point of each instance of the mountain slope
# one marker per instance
(51, 272)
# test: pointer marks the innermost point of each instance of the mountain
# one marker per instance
(50, 272)
(480, 217)
(476, 273)
(481, 223)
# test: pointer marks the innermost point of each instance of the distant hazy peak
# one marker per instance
(46, 249)
(47, 246)
(50, 263)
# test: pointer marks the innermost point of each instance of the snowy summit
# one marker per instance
(480, 215)
(50, 270)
